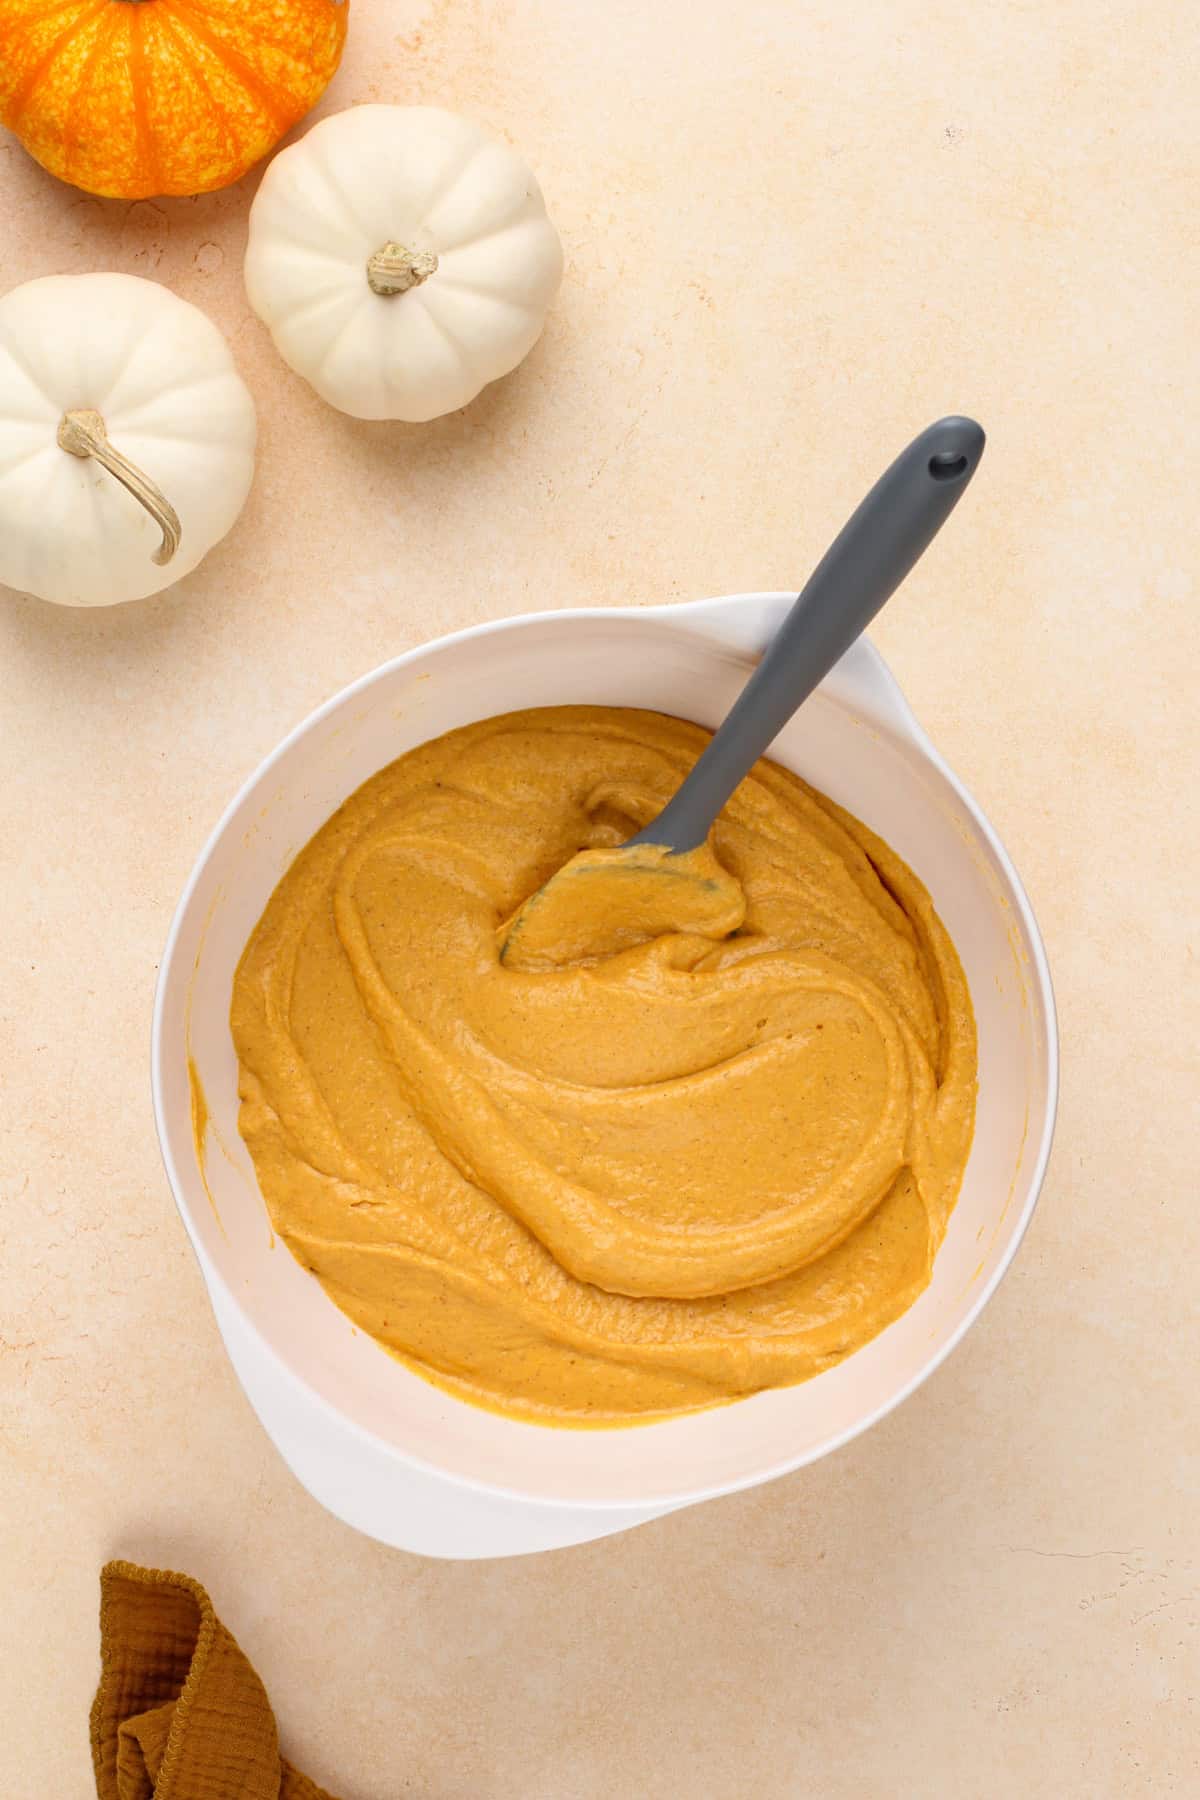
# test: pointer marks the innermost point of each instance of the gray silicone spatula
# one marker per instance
(862, 568)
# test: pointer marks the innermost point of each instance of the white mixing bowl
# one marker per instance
(381, 1448)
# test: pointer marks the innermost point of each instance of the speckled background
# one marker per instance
(794, 234)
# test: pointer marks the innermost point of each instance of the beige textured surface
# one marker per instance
(794, 234)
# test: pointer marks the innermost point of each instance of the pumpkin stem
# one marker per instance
(393, 269)
(83, 433)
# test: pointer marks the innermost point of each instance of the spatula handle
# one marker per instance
(862, 568)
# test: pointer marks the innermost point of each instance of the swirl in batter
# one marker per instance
(591, 1187)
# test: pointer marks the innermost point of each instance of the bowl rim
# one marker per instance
(902, 719)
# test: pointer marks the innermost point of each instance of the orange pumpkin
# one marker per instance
(139, 97)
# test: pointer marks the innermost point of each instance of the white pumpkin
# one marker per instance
(126, 438)
(402, 260)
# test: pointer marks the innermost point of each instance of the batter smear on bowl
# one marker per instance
(604, 1188)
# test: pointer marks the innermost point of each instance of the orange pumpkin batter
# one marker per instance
(602, 1190)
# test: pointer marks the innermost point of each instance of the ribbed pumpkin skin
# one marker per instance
(132, 98)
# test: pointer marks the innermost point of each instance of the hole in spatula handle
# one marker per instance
(947, 467)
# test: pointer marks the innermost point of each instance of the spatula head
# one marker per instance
(606, 901)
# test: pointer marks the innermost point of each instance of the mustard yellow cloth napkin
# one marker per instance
(179, 1713)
